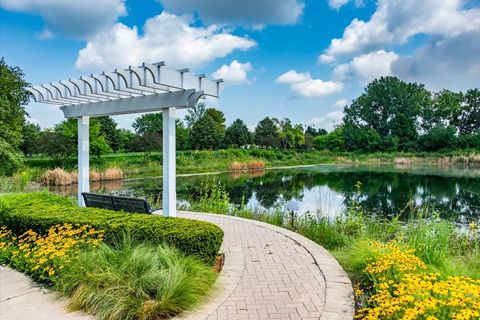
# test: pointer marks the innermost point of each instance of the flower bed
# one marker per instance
(40, 211)
(401, 286)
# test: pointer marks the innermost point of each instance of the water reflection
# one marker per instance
(386, 190)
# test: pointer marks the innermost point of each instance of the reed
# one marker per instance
(60, 177)
(56, 177)
(246, 166)
(112, 174)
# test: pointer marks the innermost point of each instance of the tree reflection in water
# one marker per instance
(386, 190)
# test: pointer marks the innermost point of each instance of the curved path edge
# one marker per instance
(338, 292)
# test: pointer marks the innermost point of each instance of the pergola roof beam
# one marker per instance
(147, 79)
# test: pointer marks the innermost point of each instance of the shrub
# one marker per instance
(40, 211)
(134, 281)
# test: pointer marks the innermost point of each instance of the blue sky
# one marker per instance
(301, 59)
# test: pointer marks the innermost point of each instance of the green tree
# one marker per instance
(469, 120)
(61, 148)
(30, 138)
(182, 136)
(438, 138)
(266, 133)
(126, 137)
(237, 134)
(13, 99)
(332, 141)
(108, 128)
(218, 117)
(205, 134)
(98, 142)
(445, 110)
(391, 107)
(195, 113)
(150, 122)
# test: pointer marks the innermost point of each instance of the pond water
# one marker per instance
(326, 190)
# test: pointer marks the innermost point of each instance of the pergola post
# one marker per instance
(169, 163)
(141, 89)
(83, 158)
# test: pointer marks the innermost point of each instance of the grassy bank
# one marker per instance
(398, 268)
(141, 164)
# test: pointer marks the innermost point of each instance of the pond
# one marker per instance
(326, 190)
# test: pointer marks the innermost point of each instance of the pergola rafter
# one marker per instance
(146, 88)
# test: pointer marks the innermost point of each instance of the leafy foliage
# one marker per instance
(266, 133)
(12, 117)
(150, 122)
(206, 133)
(237, 135)
(40, 211)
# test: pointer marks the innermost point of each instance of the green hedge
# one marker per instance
(40, 211)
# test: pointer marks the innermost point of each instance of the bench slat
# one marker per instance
(116, 203)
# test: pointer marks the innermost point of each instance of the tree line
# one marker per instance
(390, 115)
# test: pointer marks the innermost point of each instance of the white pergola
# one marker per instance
(147, 88)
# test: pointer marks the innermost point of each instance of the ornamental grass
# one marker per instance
(135, 281)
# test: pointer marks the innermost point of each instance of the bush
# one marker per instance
(134, 281)
(40, 211)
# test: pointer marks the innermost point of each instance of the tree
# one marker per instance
(438, 138)
(150, 122)
(59, 147)
(391, 107)
(445, 110)
(333, 141)
(205, 134)
(290, 136)
(237, 135)
(147, 142)
(126, 138)
(469, 120)
(30, 138)
(98, 143)
(266, 133)
(195, 113)
(312, 132)
(108, 128)
(12, 116)
(219, 118)
(182, 136)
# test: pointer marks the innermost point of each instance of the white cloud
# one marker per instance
(327, 122)
(340, 103)
(396, 21)
(166, 37)
(315, 88)
(293, 76)
(367, 67)
(303, 86)
(251, 13)
(337, 4)
(234, 73)
(45, 34)
(73, 18)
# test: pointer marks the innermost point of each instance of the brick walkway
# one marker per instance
(273, 273)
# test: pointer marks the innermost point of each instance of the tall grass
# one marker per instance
(134, 281)
(60, 177)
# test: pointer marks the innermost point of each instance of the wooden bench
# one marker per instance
(105, 201)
